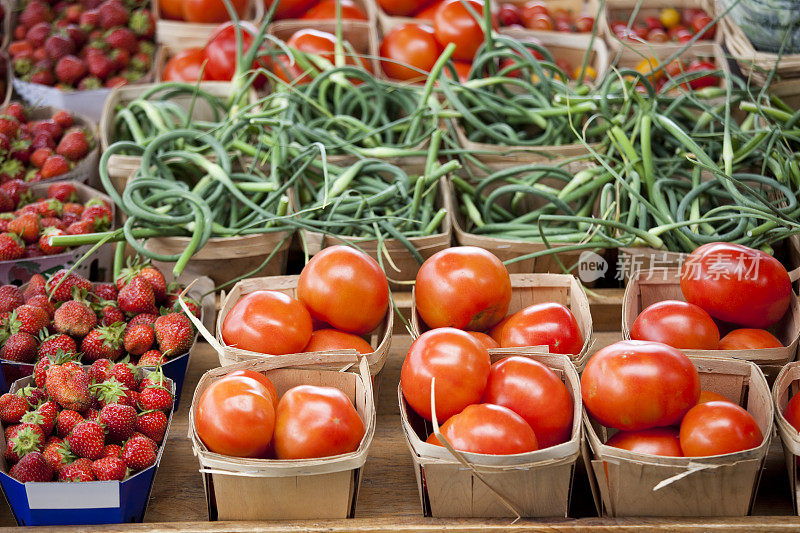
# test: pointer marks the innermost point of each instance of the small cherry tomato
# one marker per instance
(670, 17)
(717, 428)
(539, 21)
(749, 339)
(584, 23)
(704, 21)
(509, 14)
(563, 25)
(488, 429)
(653, 23)
(532, 7)
(657, 35)
(688, 15)
(678, 324)
(655, 441)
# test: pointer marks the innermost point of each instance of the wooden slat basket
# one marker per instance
(787, 384)
(179, 34)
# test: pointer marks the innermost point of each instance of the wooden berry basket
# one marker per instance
(529, 289)
(626, 483)
(754, 63)
(271, 489)
(787, 384)
(648, 287)
(179, 35)
(534, 484)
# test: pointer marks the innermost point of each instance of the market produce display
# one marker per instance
(670, 25)
(206, 12)
(535, 15)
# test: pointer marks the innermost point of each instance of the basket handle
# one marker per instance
(197, 323)
(794, 275)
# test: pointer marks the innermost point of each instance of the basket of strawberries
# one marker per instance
(102, 429)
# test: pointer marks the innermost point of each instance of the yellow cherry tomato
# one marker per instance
(670, 17)
(647, 66)
(589, 74)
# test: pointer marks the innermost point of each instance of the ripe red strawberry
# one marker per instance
(55, 165)
(174, 334)
(12, 408)
(104, 342)
(41, 141)
(53, 344)
(139, 453)
(11, 297)
(45, 243)
(69, 386)
(62, 290)
(40, 155)
(136, 297)
(74, 318)
(126, 374)
(112, 391)
(119, 421)
(101, 370)
(122, 39)
(87, 440)
(143, 318)
(9, 126)
(112, 13)
(16, 110)
(36, 287)
(70, 69)
(17, 189)
(34, 13)
(90, 19)
(20, 347)
(66, 422)
(63, 191)
(29, 319)
(93, 415)
(26, 226)
(33, 467)
(37, 35)
(44, 417)
(151, 358)
(109, 469)
(23, 439)
(78, 35)
(11, 247)
(156, 397)
(111, 314)
(139, 339)
(157, 282)
(6, 202)
(96, 211)
(80, 227)
(57, 46)
(79, 470)
(142, 23)
(33, 395)
(106, 291)
(112, 450)
(73, 145)
(48, 207)
(152, 424)
(57, 454)
(43, 302)
(51, 222)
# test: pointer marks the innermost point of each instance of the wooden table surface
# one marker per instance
(389, 499)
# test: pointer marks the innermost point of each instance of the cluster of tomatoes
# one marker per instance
(215, 11)
(668, 26)
(342, 293)
(515, 405)
(746, 292)
(307, 422)
(534, 15)
(660, 75)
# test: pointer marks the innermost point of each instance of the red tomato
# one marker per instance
(657, 35)
(332, 339)
(261, 378)
(290, 9)
(560, 14)
(345, 288)
(186, 66)
(326, 10)
(509, 14)
(402, 8)
(717, 428)
(688, 15)
(534, 392)
(210, 11)
(488, 429)
(463, 287)
(308, 41)
(632, 385)
(792, 412)
(710, 396)
(268, 322)
(703, 81)
(409, 44)
(171, 9)
(454, 24)
(532, 7)
(736, 284)
(654, 441)
(429, 12)
(485, 339)
(548, 324)
(235, 416)
(539, 21)
(679, 324)
(562, 25)
(313, 421)
(584, 23)
(702, 21)
(749, 339)
(683, 36)
(221, 50)
(653, 23)
(463, 69)
(460, 365)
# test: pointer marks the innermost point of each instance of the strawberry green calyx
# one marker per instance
(109, 391)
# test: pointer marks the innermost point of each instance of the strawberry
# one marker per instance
(191, 303)
(119, 421)
(66, 421)
(16, 110)
(11, 247)
(53, 344)
(142, 23)
(151, 358)
(139, 453)
(9, 126)
(139, 339)
(33, 467)
(17, 189)
(63, 119)
(74, 318)
(80, 227)
(11, 170)
(29, 319)
(78, 35)
(79, 470)
(112, 450)
(141, 62)
(37, 35)
(109, 469)
(106, 291)
(48, 207)
(6, 202)
(111, 314)
(57, 454)
(70, 69)
(69, 386)
(143, 318)
(104, 342)
(57, 46)
(73, 208)
(174, 334)
(152, 424)
(12, 408)
(157, 282)
(20, 347)
(26, 226)
(100, 371)
(112, 391)
(23, 439)
(63, 191)
(36, 286)
(62, 283)
(112, 13)
(73, 13)
(126, 374)
(44, 417)
(122, 39)
(55, 165)
(136, 297)
(155, 397)
(34, 13)
(11, 297)
(45, 242)
(90, 19)
(87, 439)
(96, 211)
(33, 395)
(43, 302)
(73, 145)
(40, 155)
